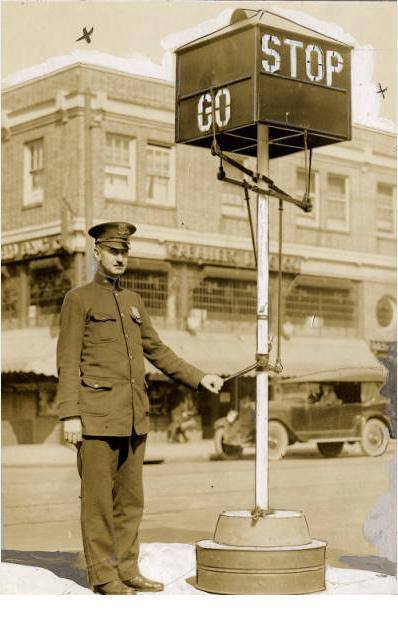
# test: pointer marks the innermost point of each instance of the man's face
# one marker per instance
(111, 261)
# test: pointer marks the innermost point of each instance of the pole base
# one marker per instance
(273, 554)
(228, 569)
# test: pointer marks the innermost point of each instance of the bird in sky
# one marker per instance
(86, 35)
(381, 90)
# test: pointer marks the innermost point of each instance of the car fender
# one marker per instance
(374, 414)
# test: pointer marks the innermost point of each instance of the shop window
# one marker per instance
(227, 298)
(337, 202)
(47, 291)
(34, 172)
(309, 219)
(120, 164)
(160, 175)
(9, 297)
(325, 306)
(151, 286)
(385, 208)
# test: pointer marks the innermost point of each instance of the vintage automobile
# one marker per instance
(329, 408)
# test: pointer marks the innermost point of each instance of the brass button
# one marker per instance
(122, 315)
(96, 385)
(127, 335)
(132, 380)
(131, 357)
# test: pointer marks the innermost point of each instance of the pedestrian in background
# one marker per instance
(105, 333)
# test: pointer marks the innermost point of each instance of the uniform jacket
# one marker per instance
(105, 333)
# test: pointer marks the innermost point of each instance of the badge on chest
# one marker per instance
(135, 315)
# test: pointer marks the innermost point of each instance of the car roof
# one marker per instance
(352, 375)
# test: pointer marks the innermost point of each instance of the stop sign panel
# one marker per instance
(254, 72)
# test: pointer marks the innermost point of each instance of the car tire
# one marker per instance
(278, 440)
(330, 449)
(224, 450)
(375, 437)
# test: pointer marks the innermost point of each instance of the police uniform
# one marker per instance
(105, 333)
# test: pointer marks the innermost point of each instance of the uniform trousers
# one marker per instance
(112, 503)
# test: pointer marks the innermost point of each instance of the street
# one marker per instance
(184, 499)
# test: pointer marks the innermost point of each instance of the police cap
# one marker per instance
(113, 234)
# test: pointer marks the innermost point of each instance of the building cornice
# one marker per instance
(152, 241)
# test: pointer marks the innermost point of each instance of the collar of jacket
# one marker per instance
(107, 281)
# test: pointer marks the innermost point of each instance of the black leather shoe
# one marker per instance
(114, 587)
(143, 584)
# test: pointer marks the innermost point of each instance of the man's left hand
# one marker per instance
(213, 383)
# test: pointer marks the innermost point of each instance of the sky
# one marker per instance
(34, 30)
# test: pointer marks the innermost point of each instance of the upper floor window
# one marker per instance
(120, 178)
(34, 172)
(226, 298)
(337, 202)
(160, 175)
(312, 218)
(232, 205)
(385, 208)
(151, 286)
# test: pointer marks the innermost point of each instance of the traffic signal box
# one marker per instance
(263, 69)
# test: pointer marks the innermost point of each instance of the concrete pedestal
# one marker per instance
(272, 555)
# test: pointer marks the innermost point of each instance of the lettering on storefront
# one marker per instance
(207, 254)
(19, 250)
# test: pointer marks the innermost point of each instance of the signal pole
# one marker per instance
(262, 353)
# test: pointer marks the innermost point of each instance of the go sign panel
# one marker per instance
(252, 72)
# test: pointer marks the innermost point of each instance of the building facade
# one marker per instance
(87, 143)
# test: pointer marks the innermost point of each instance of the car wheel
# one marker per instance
(375, 437)
(224, 450)
(278, 440)
(330, 449)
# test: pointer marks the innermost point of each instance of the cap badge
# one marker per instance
(135, 315)
(123, 230)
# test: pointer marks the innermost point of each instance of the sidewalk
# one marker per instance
(174, 564)
(31, 455)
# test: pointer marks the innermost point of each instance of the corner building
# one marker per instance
(86, 143)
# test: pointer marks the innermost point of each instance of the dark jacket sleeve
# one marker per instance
(163, 357)
(69, 350)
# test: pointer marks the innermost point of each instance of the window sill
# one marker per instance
(32, 205)
(123, 201)
(309, 225)
(158, 205)
(386, 235)
(344, 231)
(235, 216)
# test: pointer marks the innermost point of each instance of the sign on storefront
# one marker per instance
(45, 246)
(214, 255)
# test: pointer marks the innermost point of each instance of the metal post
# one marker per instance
(261, 498)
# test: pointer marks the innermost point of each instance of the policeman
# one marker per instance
(105, 333)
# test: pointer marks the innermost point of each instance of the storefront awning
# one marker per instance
(34, 350)
(29, 350)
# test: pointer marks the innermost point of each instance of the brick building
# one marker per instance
(86, 143)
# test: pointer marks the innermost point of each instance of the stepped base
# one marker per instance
(275, 529)
(228, 569)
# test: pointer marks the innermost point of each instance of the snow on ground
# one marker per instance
(174, 564)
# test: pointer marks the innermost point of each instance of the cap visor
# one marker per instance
(116, 245)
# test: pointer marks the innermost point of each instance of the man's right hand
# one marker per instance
(73, 430)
